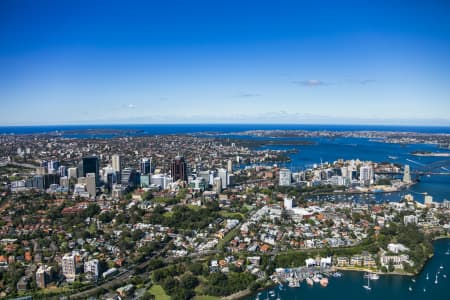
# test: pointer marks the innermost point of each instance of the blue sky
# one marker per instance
(73, 62)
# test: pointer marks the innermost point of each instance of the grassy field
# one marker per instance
(232, 215)
(159, 293)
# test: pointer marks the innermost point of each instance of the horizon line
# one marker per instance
(225, 123)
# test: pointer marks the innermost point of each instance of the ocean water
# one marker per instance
(349, 286)
(223, 128)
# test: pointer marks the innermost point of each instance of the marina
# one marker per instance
(357, 285)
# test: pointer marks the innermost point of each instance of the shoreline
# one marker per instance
(244, 293)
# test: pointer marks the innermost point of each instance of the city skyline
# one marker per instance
(296, 62)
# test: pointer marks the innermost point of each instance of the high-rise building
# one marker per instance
(366, 175)
(116, 163)
(91, 164)
(44, 275)
(179, 169)
(145, 166)
(69, 267)
(64, 182)
(129, 177)
(62, 171)
(285, 177)
(407, 175)
(73, 172)
(90, 184)
(223, 174)
(288, 203)
(91, 268)
(230, 166)
(428, 200)
(217, 185)
(53, 166)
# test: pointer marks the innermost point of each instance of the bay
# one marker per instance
(349, 286)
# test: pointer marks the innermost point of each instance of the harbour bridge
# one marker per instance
(441, 167)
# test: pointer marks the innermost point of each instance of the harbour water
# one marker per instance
(325, 149)
(350, 285)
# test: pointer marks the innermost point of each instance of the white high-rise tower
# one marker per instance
(407, 175)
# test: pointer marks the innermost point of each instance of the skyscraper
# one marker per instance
(366, 175)
(115, 161)
(91, 165)
(407, 175)
(145, 166)
(68, 267)
(223, 174)
(179, 169)
(285, 177)
(230, 166)
(90, 184)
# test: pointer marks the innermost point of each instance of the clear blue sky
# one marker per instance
(64, 62)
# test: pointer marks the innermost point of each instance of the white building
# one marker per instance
(217, 185)
(411, 219)
(72, 172)
(223, 174)
(407, 175)
(396, 248)
(366, 175)
(91, 268)
(68, 267)
(288, 203)
(90, 184)
(116, 163)
(285, 177)
(428, 200)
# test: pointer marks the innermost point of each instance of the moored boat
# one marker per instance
(324, 282)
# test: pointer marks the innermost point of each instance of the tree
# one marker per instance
(391, 267)
(188, 281)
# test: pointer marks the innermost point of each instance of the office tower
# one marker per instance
(53, 166)
(288, 203)
(64, 182)
(230, 166)
(50, 179)
(68, 267)
(223, 174)
(179, 169)
(129, 177)
(116, 163)
(91, 164)
(62, 171)
(72, 172)
(285, 177)
(428, 200)
(145, 166)
(145, 181)
(217, 185)
(161, 180)
(90, 184)
(407, 175)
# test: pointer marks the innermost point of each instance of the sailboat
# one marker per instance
(441, 267)
(428, 277)
(448, 252)
(278, 296)
(436, 281)
(367, 287)
(410, 288)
